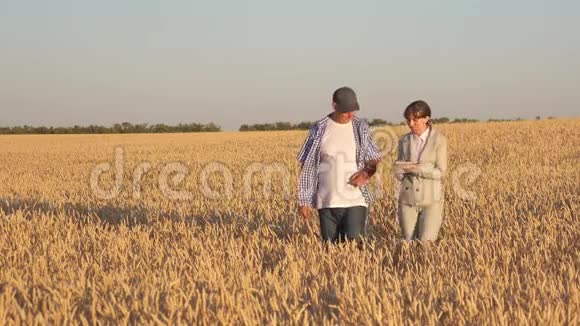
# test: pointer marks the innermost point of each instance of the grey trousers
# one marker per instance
(421, 223)
(340, 224)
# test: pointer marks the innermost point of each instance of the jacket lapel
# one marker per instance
(429, 146)
(406, 144)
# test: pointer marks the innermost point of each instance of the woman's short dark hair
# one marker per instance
(418, 109)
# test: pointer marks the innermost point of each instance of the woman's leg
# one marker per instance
(408, 216)
(430, 221)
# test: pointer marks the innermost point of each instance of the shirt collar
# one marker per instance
(423, 136)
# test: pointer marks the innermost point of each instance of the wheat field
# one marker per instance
(179, 229)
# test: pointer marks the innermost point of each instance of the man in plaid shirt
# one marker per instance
(337, 160)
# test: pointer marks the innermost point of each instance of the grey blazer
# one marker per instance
(425, 187)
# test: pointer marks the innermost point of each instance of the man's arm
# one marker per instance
(371, 156)
(306, 146)
(371, 167)
(306, 175)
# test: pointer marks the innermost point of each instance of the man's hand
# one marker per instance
(305, 211)
(359, 178)
(372, 217)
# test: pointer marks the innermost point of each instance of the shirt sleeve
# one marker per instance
(307, 146)
(372, 151)
(308, 172)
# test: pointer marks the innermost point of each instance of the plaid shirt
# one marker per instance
(309, 158)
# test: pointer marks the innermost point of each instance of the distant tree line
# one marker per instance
(118, 128)
(517, 119)
(463, 120)
(129, 128)
(304, 125)
(379, 122)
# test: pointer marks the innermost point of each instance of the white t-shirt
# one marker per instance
(337, 165)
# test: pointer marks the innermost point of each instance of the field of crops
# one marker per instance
(204, 228)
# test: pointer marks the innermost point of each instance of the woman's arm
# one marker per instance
(400, 176)
(438, 170)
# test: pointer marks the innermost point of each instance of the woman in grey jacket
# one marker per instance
(420, 169)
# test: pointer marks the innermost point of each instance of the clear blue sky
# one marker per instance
(234, 62)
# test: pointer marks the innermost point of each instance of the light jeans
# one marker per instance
(421, 223)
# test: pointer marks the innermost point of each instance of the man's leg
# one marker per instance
(328, 224)
(353, 222)
(408, 216)
(430, 222)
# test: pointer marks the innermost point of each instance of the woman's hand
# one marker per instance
(411, 168)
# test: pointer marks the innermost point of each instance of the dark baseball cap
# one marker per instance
(345, 99)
